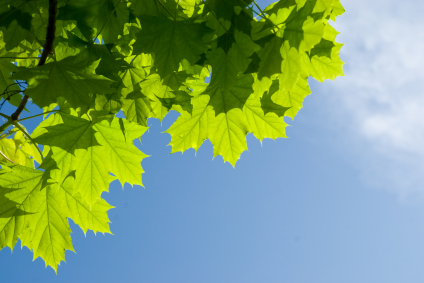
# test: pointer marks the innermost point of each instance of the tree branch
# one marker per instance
(47, 49)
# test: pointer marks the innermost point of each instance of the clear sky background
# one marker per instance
(340, 201)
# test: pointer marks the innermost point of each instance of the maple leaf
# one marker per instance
(170, 41)
(228, 89)
(71, 80)
(226, 131)
(99, 17)
(292, 99)
(137, 108)
(224, 8)
(38, 216)
(19, 151)
(15, 21)
(94, 149)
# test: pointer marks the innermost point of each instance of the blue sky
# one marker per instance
(340, 200)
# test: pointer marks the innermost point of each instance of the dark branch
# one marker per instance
(47, 49)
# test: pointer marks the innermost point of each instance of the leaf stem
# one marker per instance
(47, 49)
(259, 8)
(252, 9)
(4, 116)
(17, 125)
(7, 158)
(37, 115)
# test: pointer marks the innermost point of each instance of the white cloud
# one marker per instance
(382, 96)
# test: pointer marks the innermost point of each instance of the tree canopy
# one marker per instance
(83, 62)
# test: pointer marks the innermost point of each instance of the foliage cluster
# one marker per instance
(81, 62)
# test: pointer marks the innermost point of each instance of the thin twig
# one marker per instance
(259, 8)
(17, 83)
(5, 116)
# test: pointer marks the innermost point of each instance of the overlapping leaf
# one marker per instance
(37, 216)
(93, 149)
(71, 80)
(99, 17)
(170, 41)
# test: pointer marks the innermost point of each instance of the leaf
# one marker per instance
(13, 152)
(337, 10)
(105, 17)
(38, 216)
(271, 58)
(170, 41)
(15, 22)
(143, 7)
(137, 108)
(228, 89)
(224, 8)
(321, 66)
(44, 231)
(292, 99)
(6, 69)
(93, 149)
(67, 78)
(290, 67)
(227, 131)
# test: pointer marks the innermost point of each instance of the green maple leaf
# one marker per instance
(224, 8)
(337, 10)
(144, 7)
(137, 107)
(290, 67)
(241, 22)
(325, 63)
(18, 186)
(170, 42)
(23, 20)
(104, 17)
(130, 79)
(227, 131)
(6, 68)
(271, 58)
(292, 99)
(180, 102)
(71, 80)
(19, 150)
(229, 89)
(15, 22)
(94, 149)
(38, 216)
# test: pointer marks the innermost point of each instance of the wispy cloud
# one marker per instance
(382, 96)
